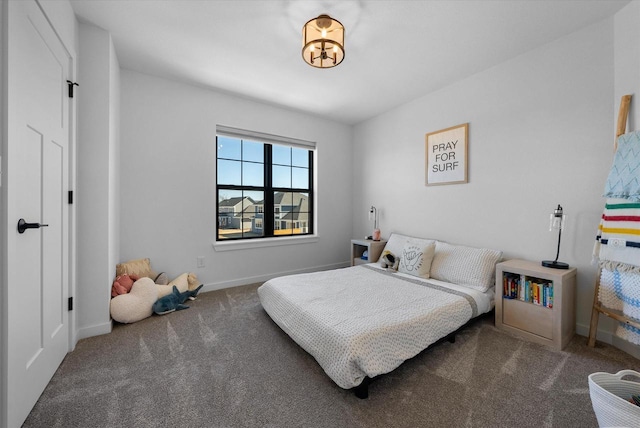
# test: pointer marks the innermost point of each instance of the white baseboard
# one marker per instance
(94, 330)
(609, 338)
(602, 336)
(262, 278)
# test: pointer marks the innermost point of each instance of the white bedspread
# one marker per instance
(365, 321)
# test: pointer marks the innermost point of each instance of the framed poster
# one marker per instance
(446, 156)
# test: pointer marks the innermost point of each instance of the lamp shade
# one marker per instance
(323, 42)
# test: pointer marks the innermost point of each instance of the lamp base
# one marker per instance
(554, 264)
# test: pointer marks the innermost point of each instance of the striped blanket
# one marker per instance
(618, 238)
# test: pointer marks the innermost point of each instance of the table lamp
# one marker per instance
(373, 215)
(557, 221)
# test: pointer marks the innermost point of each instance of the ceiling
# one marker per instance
(396, 50)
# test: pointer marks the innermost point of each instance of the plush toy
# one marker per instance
(191, 294)
(174, 301)
(193, 282)
(389, 261)
(184, 282)
(122, 284)
(161, 279)
(135, 305)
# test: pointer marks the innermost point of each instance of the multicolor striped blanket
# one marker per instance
(618, 238)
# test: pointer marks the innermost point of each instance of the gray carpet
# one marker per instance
(224, 363)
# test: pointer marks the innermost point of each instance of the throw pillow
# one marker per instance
(397, 242)
(416, 260)
(138, 267)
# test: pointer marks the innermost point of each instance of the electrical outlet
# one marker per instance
(200, 261)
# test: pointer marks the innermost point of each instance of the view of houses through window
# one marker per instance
(263, 189)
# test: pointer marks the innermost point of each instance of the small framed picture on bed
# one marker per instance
(446, 156)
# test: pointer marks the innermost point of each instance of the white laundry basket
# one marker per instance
(609, 395)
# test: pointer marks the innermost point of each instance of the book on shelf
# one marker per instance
(527, 289)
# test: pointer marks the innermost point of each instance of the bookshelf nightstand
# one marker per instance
(373, 248)
(520, 283)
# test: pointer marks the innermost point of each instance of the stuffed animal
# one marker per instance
(122, 284)
(389, 261)
(174, 301)
(193, 281)
(191, 294)
(184, 282)
(135, 305)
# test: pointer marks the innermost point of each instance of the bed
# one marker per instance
(364, 321)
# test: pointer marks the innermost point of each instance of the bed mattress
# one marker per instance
(364, 320)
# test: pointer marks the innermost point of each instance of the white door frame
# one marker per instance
(4, 229)
(3, 211)
(73, 130)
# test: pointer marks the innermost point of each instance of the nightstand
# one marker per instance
(536, 303)
(373, 249)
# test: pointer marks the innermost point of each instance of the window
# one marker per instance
(264, 185)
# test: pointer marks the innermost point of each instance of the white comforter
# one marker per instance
(365, 321)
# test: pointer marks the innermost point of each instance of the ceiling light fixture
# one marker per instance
(323, 42)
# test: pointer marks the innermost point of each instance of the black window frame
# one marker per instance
(268, 209)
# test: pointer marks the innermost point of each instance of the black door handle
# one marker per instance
(23, 225)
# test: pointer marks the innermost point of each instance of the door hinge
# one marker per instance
(71, 85)
(70, 197)
(70, 303)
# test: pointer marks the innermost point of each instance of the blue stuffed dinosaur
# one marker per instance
(174, 301)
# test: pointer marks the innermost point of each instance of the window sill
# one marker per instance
(263, 242)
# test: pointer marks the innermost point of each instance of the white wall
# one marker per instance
(114, 161)
(540, 134)
(168, 182)
(97, 188)
(627, 60)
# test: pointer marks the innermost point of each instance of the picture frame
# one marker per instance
(446, 160)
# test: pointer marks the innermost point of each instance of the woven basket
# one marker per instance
(609, 395)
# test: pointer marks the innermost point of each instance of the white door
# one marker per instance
(37, 185)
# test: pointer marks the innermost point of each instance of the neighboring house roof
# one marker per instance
(250, 210)
(297, 197)
(232, 202)
(300, 212)
(295, 215)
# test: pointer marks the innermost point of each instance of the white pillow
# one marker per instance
(135, 305)
(181, 282)
(471, 267)
(397, 242)
(416, 260)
